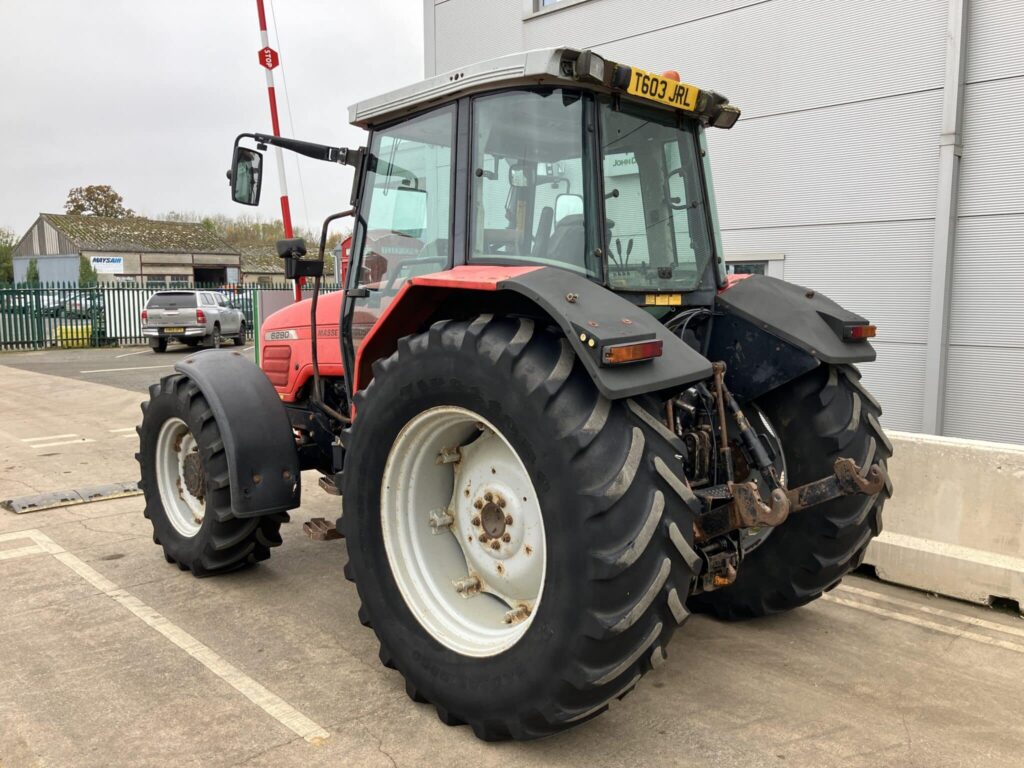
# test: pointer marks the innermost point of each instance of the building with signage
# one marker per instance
(878, 159)
(131, 249)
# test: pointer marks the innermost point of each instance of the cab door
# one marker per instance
(404, 221)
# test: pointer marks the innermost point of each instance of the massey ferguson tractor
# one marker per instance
(556, 425)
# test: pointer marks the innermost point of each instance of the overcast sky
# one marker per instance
(147, 96)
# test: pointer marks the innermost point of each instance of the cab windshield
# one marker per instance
(657, 227)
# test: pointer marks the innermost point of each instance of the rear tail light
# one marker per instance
(275, 361)
(859, 332)
(145, 316)
(200, 316)
(633, 352)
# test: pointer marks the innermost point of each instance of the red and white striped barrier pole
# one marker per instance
(269, 60)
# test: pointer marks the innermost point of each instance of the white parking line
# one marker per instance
(136, 368)
(64, 442)
(933, 625)
(248, 348)
(266, 700)
(122, 429)
(47, 437)
(129, 354)
(962, 618)
(32, 549)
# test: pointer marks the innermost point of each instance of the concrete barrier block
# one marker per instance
(955, 524)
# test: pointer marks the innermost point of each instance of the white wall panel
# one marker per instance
(896, 379)
(983, 392)
(834, 165)
(877, 270)
(468, 31)
(769, 57)
(992, 166)
(988, 283)
(995, 39)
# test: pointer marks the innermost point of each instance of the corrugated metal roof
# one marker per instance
(261, 259)
(97, 233)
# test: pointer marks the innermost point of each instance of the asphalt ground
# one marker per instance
(132, 368)
(109, 656)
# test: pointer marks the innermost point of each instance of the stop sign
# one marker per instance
(268, 57)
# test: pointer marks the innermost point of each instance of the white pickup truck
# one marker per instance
(191, 317)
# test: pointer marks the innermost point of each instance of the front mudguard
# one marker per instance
(768, 332)
(263, 463)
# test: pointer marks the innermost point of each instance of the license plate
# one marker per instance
(647, 85)
(174, 330)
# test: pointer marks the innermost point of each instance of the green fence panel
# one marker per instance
(69, 315)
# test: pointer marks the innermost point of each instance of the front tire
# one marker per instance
(186, 485)
(158, 345)
(824, 415)
(240, 338)
(615, 528)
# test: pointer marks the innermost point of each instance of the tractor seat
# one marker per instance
(568, 241)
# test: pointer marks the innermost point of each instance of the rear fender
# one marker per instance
(588, 314)
(263, 464)
(768, 332)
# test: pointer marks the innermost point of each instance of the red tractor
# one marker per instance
(556, 425)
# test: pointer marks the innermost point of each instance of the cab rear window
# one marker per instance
(172, 300)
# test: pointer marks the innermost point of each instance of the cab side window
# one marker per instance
(407, 202)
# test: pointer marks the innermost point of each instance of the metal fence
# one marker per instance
(109, 314)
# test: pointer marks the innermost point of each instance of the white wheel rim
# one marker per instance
(180, 478)
(475, 583)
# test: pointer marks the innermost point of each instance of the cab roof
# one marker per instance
(543, 66)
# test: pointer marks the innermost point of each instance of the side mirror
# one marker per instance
(568, 205)
(246, 176)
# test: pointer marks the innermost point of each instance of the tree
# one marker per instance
(7, 241)
(86, 274)
(97, 200)
(32, 275)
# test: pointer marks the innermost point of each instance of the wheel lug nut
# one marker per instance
(501, 502)
(495, 544)
(478, 504)
(483, 537)
(508, 519)
(488, 496)
(476, 521)
(506, 538)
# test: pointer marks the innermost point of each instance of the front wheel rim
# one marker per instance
(463, 531)
(181, 477)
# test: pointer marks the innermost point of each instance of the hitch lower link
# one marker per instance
(746, 508)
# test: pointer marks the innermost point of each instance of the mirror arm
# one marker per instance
(340, 155)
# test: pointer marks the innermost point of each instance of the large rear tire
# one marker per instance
(186, 486)
(614, 513)
(824, 415)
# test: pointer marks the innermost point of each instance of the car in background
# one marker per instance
(191, 317)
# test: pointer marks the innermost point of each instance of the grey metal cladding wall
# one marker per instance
(992, 165)
(987, 309)
(768, 57)
(995, 39)
(876, 270)
(468, 31)
(841, 164)
(983, 391)
(985, 370)
(879, 270)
